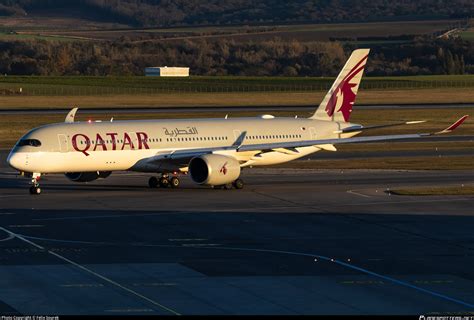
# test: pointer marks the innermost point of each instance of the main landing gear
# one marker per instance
(164, 182)
(237, 184)
(35, 186)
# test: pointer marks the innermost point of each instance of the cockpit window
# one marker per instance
(29, 142)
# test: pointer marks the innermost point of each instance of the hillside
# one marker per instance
(166, 13)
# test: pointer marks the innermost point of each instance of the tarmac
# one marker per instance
(291, 242)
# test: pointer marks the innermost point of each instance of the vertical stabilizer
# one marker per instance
(338, 102)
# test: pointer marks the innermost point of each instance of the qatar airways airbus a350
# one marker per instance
(212, 151)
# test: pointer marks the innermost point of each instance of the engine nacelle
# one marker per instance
(87, 176)
(214, 169)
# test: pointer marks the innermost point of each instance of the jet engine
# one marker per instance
(87, 176)
(214, 169)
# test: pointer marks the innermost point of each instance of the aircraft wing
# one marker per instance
(307, 143)
(182, 157)
(358, 128)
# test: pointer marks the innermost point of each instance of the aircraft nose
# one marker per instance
(15, 160)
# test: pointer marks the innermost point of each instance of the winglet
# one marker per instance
(454, 125)
(71, 115)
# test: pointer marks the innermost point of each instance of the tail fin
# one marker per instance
(338, 102)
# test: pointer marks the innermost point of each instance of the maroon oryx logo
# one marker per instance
(223, 169)
(343, 96)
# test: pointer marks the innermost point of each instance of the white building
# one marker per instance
(167, 72)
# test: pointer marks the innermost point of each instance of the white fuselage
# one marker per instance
(121, 145)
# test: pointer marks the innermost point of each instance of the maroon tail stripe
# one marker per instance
(355, 67)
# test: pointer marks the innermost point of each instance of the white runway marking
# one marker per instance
(22, 239)
(82, 285)
(358, 194)
(161, 213)
(398, 202)
(155, 284)
(110, 281)
(10, 236)
(187, 239)
(252, 209)
(201, 244)
(314, 256)
(26, 225)
(128, 310)
(105, 216)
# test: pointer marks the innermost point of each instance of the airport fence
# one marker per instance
(12, 89)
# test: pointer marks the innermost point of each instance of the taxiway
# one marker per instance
(291, 242)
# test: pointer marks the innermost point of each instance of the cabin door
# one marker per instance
(63, 142)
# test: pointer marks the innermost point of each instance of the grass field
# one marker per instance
(31, 91)
(467, 35)
(436, 191)
(186, 99)
(408, 163)
(60, 26)
(83, 85)
(54, 20)
(301, 32)
(35, 36)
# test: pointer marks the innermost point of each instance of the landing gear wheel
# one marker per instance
(164, 182)
(228, 186)
(238, 184)
(174, 182)
(153, 182)
(35, 190)
(35, 186)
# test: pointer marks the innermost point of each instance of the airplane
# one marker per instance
(212, 151)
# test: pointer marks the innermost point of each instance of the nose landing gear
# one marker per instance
(35, 186)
